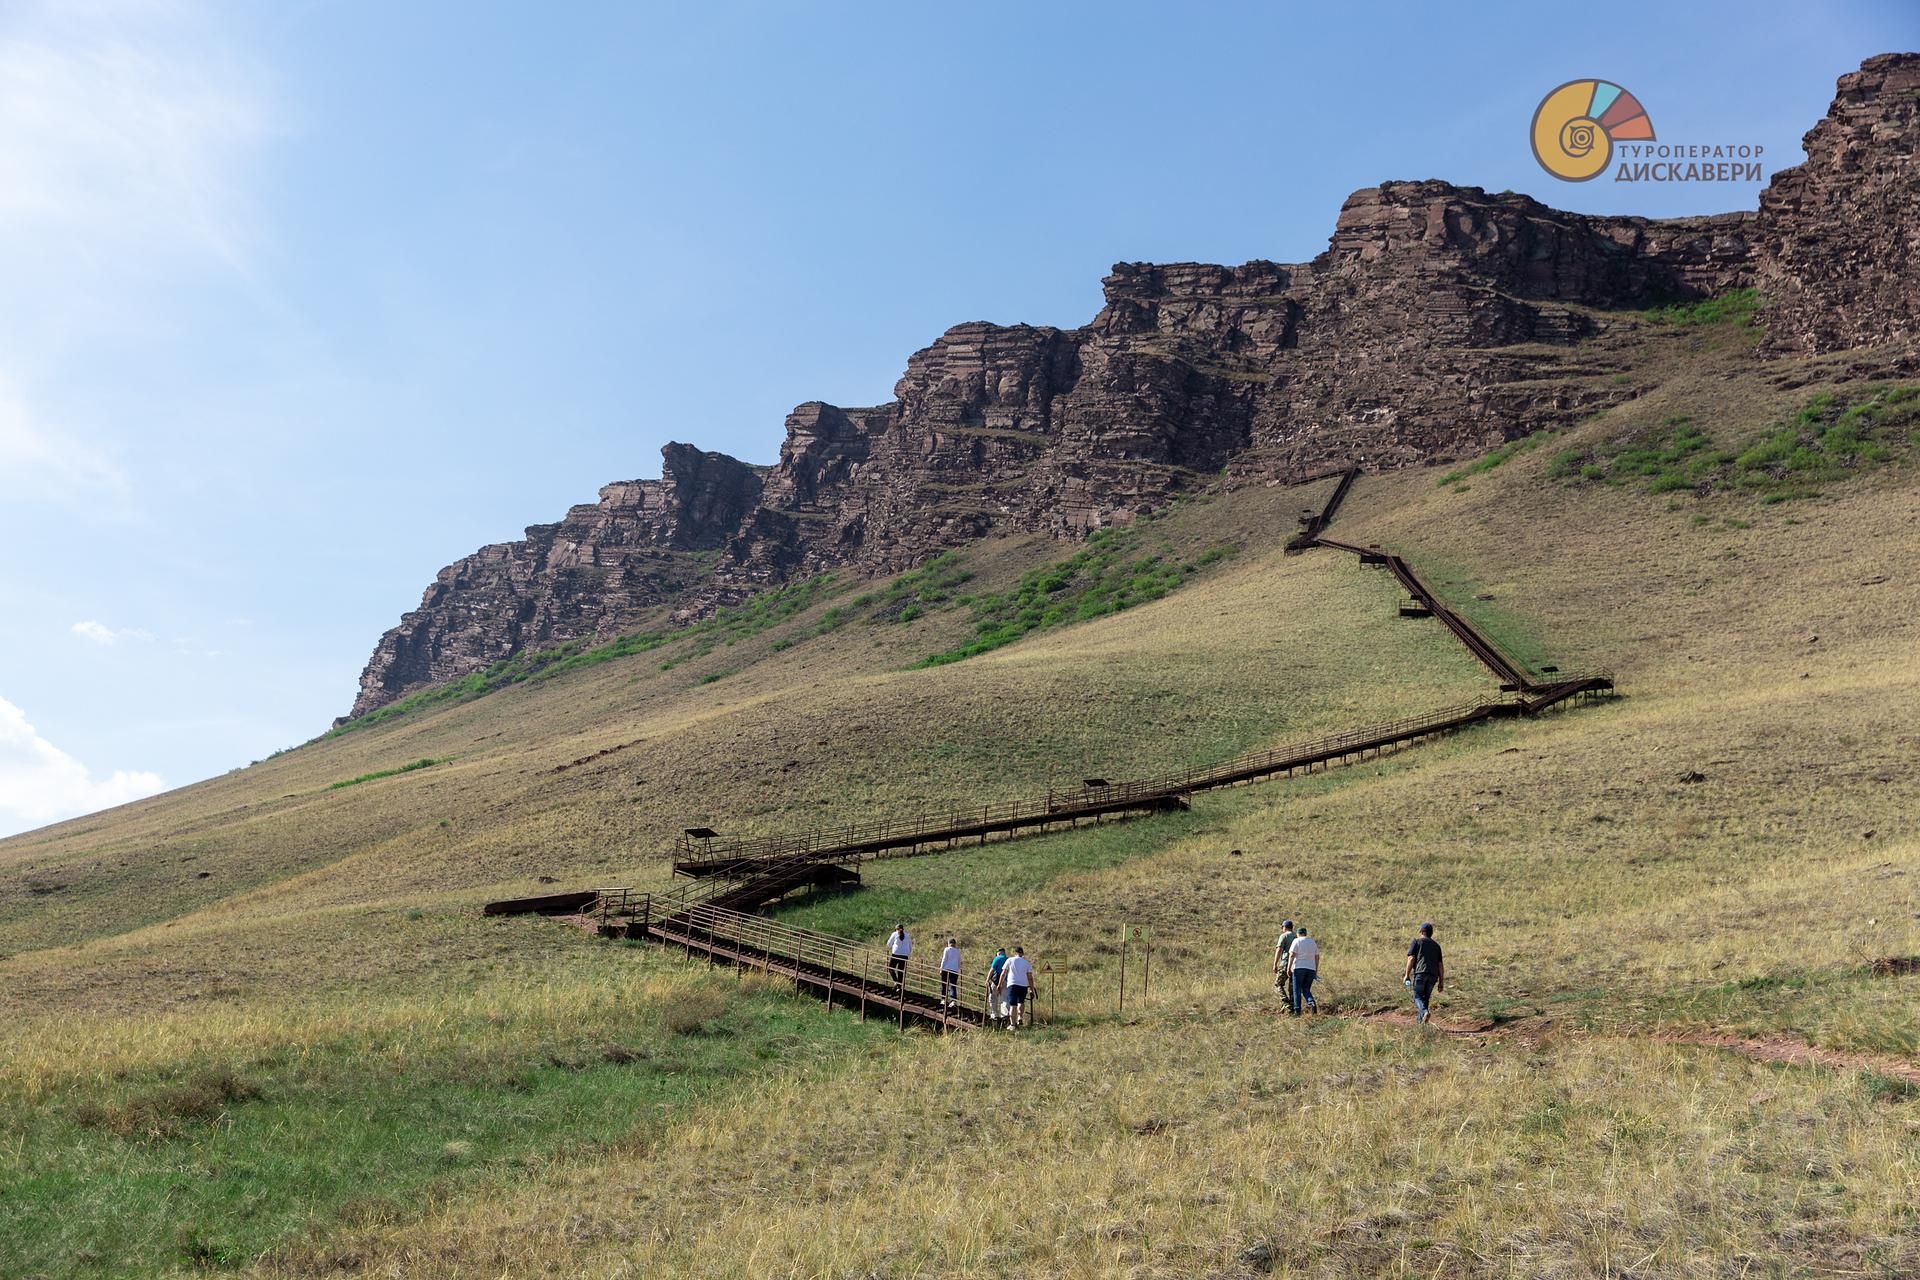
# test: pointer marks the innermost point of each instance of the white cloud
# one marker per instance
(40, 783)
(100, 633)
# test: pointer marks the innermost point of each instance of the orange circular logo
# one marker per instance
(1575, 126)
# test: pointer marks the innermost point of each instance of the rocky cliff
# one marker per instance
(1839, 242)
(1440, 321)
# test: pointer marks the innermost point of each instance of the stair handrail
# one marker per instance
(837, 956)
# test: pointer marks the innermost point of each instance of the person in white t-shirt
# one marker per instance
(950, 974)
(1018, 978)
(899, 947)
(1303, 961)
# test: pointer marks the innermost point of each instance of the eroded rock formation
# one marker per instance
(1839, 242)
(1440, 321)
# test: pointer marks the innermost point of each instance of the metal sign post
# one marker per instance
(1142, 934)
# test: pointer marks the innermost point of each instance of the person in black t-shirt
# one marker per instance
(1426, 971)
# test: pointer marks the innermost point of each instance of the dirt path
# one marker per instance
(1780, 1048)
(1797, 1052)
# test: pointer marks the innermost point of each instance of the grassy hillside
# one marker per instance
(202, 1070)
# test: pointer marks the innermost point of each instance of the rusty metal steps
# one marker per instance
(1311, 523)
(1512, 676)
(842, 970)
(754, 891)
(751, 856)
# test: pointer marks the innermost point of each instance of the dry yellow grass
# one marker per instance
(1171, 1149)
(1575, 877)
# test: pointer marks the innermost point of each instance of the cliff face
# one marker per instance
(1440, 321)
(602, 564)
(1840, 250)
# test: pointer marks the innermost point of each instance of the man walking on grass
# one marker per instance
(1280, 958)
(1426, 970)
(1303, 961)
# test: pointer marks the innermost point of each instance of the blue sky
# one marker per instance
(300, 302)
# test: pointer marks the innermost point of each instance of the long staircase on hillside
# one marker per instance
(730, 879)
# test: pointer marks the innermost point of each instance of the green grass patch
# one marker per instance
(1738, 308)
(1516, 633)
(1488, 461)
(423, 763)
(217, 1161)
(766, 610)
(1831, 439)
(1677, 455)
(1117, 569)
(918, 592)
(1885, 1088)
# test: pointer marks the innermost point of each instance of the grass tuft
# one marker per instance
(423, 763)
(168, 1112)
(1494, 458)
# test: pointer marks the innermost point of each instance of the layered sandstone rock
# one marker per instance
(1440, 321)
(1840, 249)
(585, 576)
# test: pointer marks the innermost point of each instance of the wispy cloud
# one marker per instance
(100, 633)
(40, 783)
(41, 464)
(123, 126)
(126, 127)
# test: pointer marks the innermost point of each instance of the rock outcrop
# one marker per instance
(601, 565)
(1840, 241)
(1440, 321)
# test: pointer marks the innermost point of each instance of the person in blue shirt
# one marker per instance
(995, 971)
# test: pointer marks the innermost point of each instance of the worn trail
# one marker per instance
(1785, 1049)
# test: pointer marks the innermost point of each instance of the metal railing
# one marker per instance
(839, 968)
(1489, 654)
(745, 857)
(748, 856)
